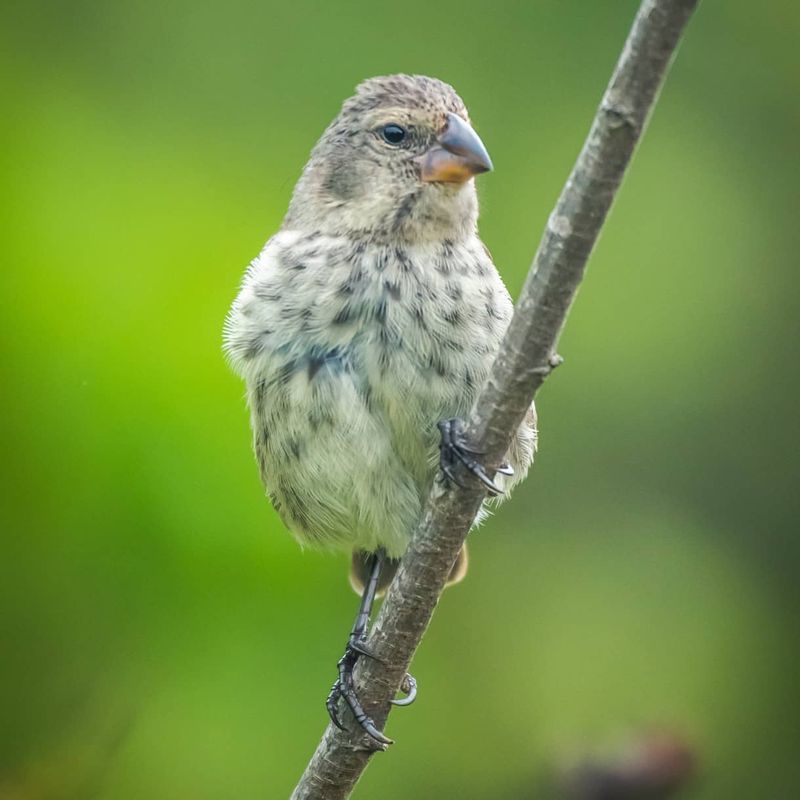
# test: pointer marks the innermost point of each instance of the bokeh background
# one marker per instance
(162, 636)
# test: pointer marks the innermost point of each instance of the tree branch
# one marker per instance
(526, 357)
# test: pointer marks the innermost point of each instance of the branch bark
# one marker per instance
(526, 358)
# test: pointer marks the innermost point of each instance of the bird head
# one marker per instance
(395, 165)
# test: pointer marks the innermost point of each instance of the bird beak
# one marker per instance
(457, 156)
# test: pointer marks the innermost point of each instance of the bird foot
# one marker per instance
(344, 688)
(453, 450)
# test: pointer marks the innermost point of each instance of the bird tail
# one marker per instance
(360, 566)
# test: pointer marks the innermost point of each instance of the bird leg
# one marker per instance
(356, 647)
(453, 449)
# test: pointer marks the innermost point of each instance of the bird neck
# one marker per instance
(421, 214)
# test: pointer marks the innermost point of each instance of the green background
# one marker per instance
(162, 636)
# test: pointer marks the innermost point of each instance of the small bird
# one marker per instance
(364, 331)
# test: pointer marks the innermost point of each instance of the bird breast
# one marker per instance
(417, 326)
(352, 353)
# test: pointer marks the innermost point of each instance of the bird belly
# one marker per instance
(328, 463)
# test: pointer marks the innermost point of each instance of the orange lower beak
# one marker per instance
(457, 156)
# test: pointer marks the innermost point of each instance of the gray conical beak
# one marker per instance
(457, 156)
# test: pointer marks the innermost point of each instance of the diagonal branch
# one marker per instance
(526, 357)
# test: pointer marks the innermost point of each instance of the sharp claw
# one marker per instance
(405, 701)
(452, 448)
(364, 721)
(451, 476)
(369, 726)
(331, 703)
(345, 689)
(408, 687)
(335, 720)
(479, 472)
(481, 475)
(361, 717)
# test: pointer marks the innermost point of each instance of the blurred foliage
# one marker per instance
(162, 636)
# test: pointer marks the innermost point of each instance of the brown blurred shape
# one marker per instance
(654, 766)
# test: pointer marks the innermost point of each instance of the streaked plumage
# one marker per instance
(374, 313)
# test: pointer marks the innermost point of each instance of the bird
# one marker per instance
(364, 331)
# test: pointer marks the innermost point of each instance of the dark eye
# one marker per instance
(393, 134)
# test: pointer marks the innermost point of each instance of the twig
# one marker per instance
(526, 357)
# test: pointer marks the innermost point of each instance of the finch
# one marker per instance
(364, 331)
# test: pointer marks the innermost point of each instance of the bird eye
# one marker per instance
(393, 134)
